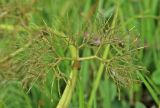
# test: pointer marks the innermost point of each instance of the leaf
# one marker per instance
(156, 77)
(139, 105)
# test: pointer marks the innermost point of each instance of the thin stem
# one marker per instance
(102, 60)
(153, 85)
(83, 58)
(87, 58)
(152, 92)
(98, 77)
(100, 70)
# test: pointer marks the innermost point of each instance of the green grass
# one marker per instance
(35, 33)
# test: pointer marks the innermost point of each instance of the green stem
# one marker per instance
(100, 71)
(151, 91)
(67, 94)
(87, 58)
(97, 80)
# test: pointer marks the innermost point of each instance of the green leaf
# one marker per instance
(139, 105)
(156, 77)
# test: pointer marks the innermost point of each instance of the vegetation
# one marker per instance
(79, 54)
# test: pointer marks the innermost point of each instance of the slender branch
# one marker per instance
(101, 67)
(147, 16)
(87, 58)
(98, 77)
(151, 91)
(15, 53)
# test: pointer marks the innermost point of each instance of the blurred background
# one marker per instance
(68, 16)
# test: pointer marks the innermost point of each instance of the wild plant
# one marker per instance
(40, 51)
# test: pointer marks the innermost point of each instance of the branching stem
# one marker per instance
(67, 94)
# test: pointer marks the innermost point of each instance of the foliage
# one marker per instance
(49, 41)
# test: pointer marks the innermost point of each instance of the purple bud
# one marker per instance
(95, 41)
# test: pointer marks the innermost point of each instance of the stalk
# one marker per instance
(98, 78)
(151, 91)
(67, 94)
(100, 70)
